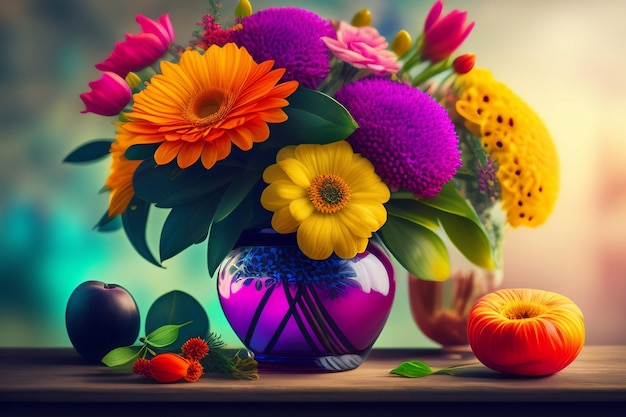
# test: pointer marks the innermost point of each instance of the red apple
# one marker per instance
(525, 331)
(100, 317)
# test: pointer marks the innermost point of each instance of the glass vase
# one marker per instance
(296, 313)
(441, 308)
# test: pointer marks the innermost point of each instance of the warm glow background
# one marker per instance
(564, 57)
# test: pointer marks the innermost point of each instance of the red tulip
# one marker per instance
(525, 331)
(108, 96)
(140, 50)
(464, 63)
(444, 34)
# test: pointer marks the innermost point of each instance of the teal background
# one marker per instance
(564, 57)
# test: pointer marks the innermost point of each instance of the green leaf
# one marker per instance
(470, 239)
(90, 151)
(313, 117)
(463, 226)
(164, 335)
(224, 234)
(235, 193)
(141, 151)
(170, 186)
(418, 369)
(185, 226)
(134, 220)
(412, 369)
(120, 356)
(414, 211)
(417, 248)
(108, 224)
(178, 307)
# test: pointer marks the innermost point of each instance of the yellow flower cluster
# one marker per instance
(517, 140)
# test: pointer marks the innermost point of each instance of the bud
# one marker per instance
(464, 63)
(133, 80)
(243, 9)
(168, 367)
(401, 43)
(108, 96)
(443, 34)
(362, 18)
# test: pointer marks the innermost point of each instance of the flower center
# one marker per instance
(207, 107)
(523, 310)
(329, 193)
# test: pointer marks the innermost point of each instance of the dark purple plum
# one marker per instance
(100, 317)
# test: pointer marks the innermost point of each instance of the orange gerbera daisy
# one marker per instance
(120, 180)
(196, 108)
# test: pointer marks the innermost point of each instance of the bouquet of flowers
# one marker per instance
(284, 119)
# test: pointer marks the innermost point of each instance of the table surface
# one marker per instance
(31, 376)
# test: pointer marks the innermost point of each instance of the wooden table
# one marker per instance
(45, 380)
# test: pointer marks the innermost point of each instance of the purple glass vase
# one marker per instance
(296, 313)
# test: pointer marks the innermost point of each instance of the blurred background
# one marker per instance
(565, 58)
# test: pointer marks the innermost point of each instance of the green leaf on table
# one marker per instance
(164, 335)
(120, 356)
(90, 151)
(412, 369)
(313, 117)
(177, 307)
(419, 369)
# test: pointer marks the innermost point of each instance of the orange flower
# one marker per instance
(168, 367)
(142, 367)
(194, 372)
(120, 180)
(195, 109)
(195, 348)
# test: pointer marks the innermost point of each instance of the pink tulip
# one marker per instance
(108, 96)
(444, 34)
(140, 50)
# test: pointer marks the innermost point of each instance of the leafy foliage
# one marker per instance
(419, 369)
(169, 309)
(90, 151)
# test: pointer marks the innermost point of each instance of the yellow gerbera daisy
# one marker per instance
(196, 108)
(120, 180)
(327, 193)
(517, 140)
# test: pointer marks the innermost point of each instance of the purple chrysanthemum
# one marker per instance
(406, 134)
(292, 38)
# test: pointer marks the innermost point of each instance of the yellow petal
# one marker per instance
(279, 194)
(283, 221)
(296, 171)
(301, 209)
(314, 237)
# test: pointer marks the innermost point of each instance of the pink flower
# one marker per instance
(444, 34)
(108, 95)
(362, 47)
(140, 50)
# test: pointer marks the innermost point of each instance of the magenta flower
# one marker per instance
(444, 34)
(362, 47)
(108, 95)
(408, 136)
(140, 50)
(290, 36)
